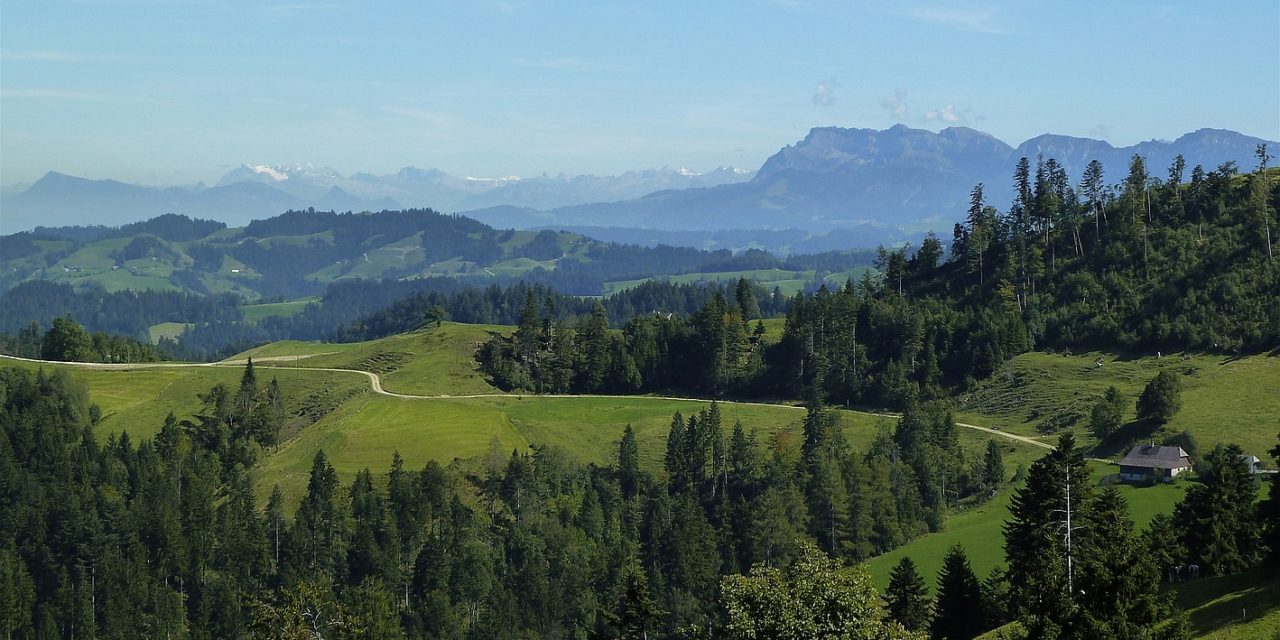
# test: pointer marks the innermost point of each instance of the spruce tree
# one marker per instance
(958, 607)
(993, 466)
(1217, 518)
(907, 596)
(1118, 583)
(1041, 563)
(629, 463)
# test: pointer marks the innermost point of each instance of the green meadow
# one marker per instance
(1223, 399)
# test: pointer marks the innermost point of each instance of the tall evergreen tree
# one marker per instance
(1042, 546)
(1216, 518)
(907, 596)
(958, 607)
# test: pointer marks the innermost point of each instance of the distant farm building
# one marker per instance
(1147, 462)
(1253, 463)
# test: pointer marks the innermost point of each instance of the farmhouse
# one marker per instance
(1150, 462)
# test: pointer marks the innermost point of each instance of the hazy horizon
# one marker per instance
(159, 93)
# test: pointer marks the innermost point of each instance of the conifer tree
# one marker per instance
(1216, 518)
(958, 607)
(1041, 561)
(907, 596)
(993, 473)
(628, 463)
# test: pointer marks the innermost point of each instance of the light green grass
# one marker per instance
(169, 330)
(367, 430)
(256, 312)
(1223, 400)
(589, 428)
(520, 266)
(980, 530)
(432, 361)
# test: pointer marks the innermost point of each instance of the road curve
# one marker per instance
(375, 384)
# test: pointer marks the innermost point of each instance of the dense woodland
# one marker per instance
(1147, 264)
(165, 538)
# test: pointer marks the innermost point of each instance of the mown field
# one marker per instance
(256, 312)
(1224, 399)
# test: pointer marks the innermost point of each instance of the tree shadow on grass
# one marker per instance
(1217, 601)
(1129, 434)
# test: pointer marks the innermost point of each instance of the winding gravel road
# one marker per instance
(375, 384)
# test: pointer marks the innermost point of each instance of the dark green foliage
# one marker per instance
(1269, 511)
(957, 610)
(993, 473)
(1035, 538)
(813, 598)
(1108, 413)
(67, 341)
(1119, 580)
(907, 596)
(629, 474)
(1161, 398)
(1216, 520)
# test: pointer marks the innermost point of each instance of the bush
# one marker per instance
(1160, 400)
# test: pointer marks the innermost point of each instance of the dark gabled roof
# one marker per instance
(1146, 455)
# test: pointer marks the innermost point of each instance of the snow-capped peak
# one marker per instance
(685, 171)
(493, 180)
(272, 172)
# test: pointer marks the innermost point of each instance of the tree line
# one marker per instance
(1145, 264)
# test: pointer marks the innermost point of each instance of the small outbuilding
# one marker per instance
(1252, 462)
(1150, 463)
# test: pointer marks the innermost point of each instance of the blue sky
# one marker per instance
(169, 92)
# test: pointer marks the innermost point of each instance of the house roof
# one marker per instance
(1146, 455)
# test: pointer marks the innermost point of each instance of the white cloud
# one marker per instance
(897, 104)
(979, 20)
(948, 113)
(824, 94)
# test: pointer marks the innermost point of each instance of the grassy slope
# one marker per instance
(980, 530)
(789, 281)
(256, 312)
(169, 330)
(1223, 399)
(428, 362)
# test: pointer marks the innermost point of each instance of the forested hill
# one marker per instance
(298, 253)
(1157, 265)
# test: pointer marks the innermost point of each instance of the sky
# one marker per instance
(179, 91)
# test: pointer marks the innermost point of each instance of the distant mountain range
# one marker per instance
(880, 183)
(900, 177)
(251, 192)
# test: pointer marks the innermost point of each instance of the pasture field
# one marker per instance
(137, 400)
(980, 530)
(790, 282)
(256, 312)
(427, 362)
(1224, 399)
(169, 330)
